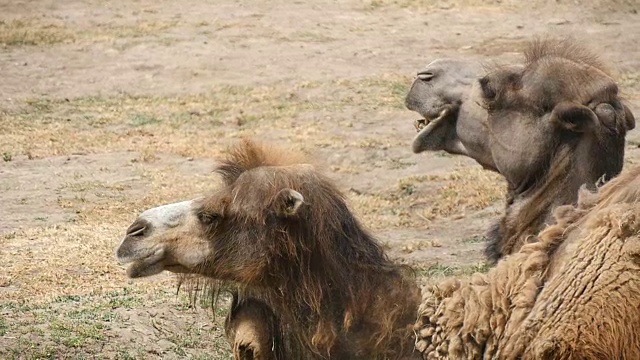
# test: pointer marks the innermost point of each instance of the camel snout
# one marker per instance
(127, 250)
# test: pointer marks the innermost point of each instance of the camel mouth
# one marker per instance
(420, 124)
(146, 264)
(425, 127)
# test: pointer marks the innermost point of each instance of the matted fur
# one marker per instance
(571, 295)
(571, 160)
(327, 281)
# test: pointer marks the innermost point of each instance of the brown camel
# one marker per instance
(573, 295)
(548, 126)
(281, 230)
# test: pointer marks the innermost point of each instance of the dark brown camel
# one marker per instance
(548, 126)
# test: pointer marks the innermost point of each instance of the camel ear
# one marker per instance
(287, 202)
(573, 117)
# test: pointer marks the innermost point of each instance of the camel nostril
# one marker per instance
(137, 228)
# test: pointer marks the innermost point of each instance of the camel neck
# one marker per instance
(529, 207)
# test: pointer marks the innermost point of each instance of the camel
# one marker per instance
(544, 157)
(571, 295)
(284, 232)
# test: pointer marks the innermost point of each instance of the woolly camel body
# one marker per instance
(571, 295)
(544, 161)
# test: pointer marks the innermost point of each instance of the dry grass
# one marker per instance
(194, 123)
(501, 5)
(443, 4)
(80, 326)
(38, 32)
(465, 189)
(432, 274)
(421, 200)
(29, 32)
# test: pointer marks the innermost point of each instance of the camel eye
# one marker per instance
(208, 218)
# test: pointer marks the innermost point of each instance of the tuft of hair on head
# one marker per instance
(565, 48)
(250, 154)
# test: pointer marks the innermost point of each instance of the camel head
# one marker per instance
(226, 235)
(272, 215)
(560, 100)
(169, 237)
(451, 120)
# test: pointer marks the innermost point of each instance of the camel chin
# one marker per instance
(146, 265)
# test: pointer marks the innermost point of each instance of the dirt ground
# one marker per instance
(111, 107)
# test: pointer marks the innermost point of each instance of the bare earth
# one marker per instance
(111, 107)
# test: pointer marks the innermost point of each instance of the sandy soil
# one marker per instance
(110, 107)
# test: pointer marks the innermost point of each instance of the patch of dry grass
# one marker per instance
(35, 31)
(465, 189)
(188, 125)
(30, 32)
(630, 84)
(442, 4)
(598, 6)
(437, 272)
(307, 37)
(107, 325)
(419, 199)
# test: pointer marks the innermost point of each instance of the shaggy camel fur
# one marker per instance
(284, 233)
(571, 295)
(508, 123)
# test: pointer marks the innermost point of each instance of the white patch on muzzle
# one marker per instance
(167, 216)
